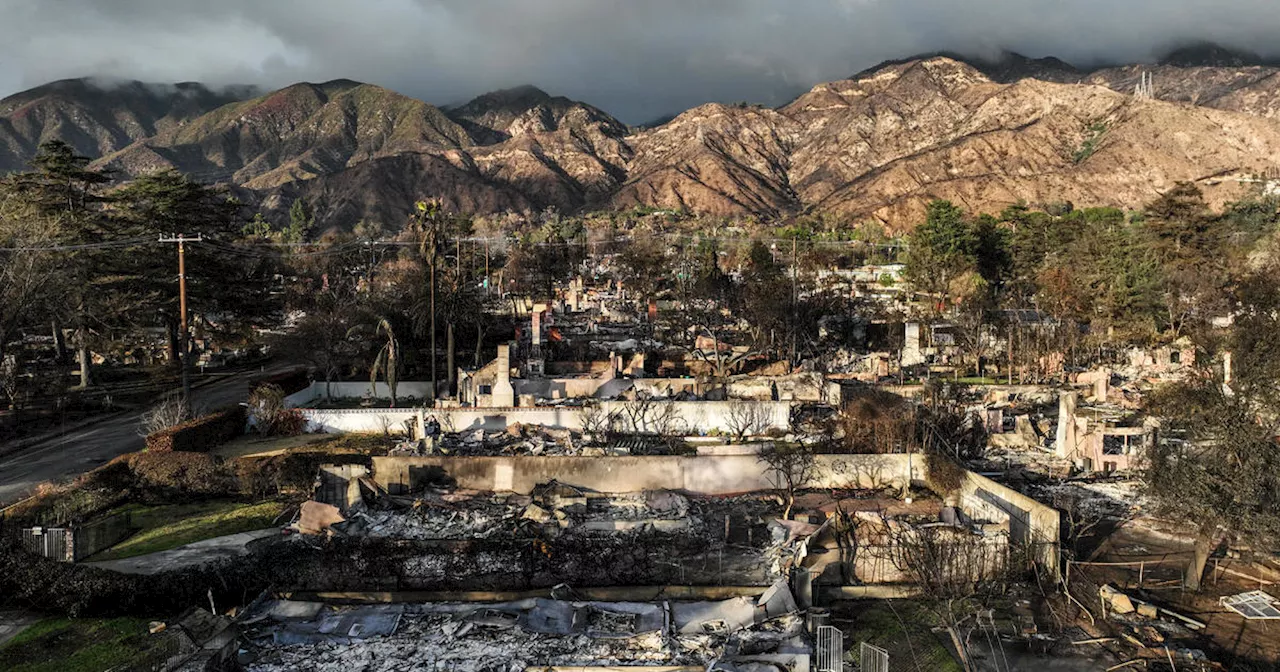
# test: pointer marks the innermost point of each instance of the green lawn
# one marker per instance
(166, 527)
(903, 629)
(974, 380)
(81, 645)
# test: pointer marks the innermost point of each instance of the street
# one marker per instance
(80, 451)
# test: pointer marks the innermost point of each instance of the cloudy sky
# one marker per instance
(638, 59)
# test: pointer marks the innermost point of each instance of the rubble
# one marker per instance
(317, 518)
(1115, 601)
(1253, 605)
(452, 637)
(555, 509)
(515, 440)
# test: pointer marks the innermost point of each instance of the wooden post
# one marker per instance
(184, 335)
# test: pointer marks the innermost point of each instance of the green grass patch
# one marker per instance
(976, 380)
(167, 527)
(1093, 139)
(904, 629)
(80, 645)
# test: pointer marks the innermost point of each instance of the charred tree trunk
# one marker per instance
(59, 343)
(451, 368)
(171, 342)
(961, 652)
(85, 358)
(1199, 558)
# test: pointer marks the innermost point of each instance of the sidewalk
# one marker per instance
(14, 622)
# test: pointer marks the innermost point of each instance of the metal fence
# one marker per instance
(51, 542)
(77, 542)
(872, 659)
(830, 649)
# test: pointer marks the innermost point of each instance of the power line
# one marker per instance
(252, 249)
(128, 242)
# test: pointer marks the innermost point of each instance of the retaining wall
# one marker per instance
(1031, 523)
(703, 475)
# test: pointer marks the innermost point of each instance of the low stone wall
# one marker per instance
(91, 538)
(702, 475)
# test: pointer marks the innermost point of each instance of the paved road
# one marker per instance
(83, 450)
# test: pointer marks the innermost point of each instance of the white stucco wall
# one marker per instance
(358, 390)
(696, 417)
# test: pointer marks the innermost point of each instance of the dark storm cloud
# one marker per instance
(636, 58)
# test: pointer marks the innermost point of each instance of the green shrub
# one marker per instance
(200, 435)
(1092, 141)
(270, 415)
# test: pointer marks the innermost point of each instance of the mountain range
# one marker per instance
(876, 146)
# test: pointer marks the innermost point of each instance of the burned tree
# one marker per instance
(323, 339)
(170, 411)
(879, 422)
(596, 423)
(638, 413)
(956, 571)
(1217, 465)
(642, 415)
(1085, 519)
(386, 362)
(792, 467)
(746, 418)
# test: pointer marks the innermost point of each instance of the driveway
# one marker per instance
(83, 450)
(14, 622)
(191, 555)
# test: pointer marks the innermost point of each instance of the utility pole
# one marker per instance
(795, 299)
(433, 245)
(184, 336)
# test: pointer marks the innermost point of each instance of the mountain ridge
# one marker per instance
(876, 146)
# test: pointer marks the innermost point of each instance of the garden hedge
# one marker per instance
(200, 435)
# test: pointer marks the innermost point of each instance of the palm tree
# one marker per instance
(387, 361)
(426, 223)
